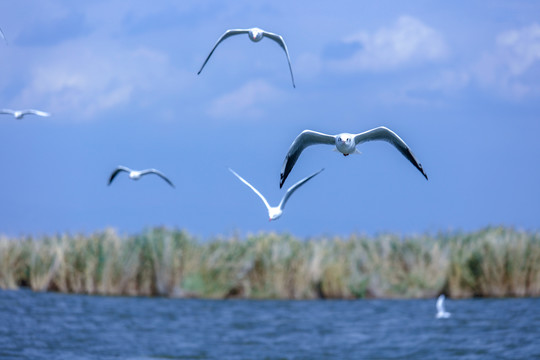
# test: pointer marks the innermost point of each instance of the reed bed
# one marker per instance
(493, 262)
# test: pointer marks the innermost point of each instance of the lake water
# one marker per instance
(59, 326)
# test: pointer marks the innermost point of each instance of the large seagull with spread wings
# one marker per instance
(346, 144)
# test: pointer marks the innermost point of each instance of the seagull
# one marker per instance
(440, 308)
(275, 212)
(3, 36)
(136, 175)
(346, 144)
(19, 114)
(255, 35)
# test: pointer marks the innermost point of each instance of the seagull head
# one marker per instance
(256, 34)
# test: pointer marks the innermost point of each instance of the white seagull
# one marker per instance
(346, 144)
(255, 35)
(441, 314)
(19, 114)
(136, 175)
(277, 211)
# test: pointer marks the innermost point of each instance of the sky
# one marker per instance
(458, 81)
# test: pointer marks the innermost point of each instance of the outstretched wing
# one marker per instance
(116, 171)
(158, 173)
(252, 188)
(227, 34)
(385, 134)
(305, 139)
(293, 189)
(7, 111)
(35, 112)
(440, 304)
(277, 38)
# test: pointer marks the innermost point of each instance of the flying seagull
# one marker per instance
(440, 308)
(346, 144)
(255, 35)
(19, 114)
(3, 36)
(275, 212)
(136, 175)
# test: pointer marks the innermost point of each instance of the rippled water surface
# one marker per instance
(57, 326)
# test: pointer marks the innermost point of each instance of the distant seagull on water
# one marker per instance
(255, 35)
(441, 314)
(136, 175)
(346, 144)
(276, 211)
(19, 114)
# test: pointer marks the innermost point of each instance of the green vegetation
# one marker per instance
(160, 262)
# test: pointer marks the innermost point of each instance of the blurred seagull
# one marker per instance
(255, 35)
(19, 114)
(275, 212)
(136, 175)
(3, 36)
(346, 144)
(440, 308)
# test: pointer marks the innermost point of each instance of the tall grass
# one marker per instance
(159, 262)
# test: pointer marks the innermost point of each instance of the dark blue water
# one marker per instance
(57, 326)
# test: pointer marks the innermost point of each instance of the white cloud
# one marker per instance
(407, 41)
(86, 79)
(247, 101)
(510, 66)
(520, 48)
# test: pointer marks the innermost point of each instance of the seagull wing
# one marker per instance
(227, 34)
(279, 39)
(440, 304)
(293, 189)
(382, 133)
(116, 171)
(35, 112)
(252, 188)
(158, 173)
(7, 111)
(305, 139)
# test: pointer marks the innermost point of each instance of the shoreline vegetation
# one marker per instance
(492, 262)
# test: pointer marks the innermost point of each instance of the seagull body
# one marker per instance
(255, 35)
(441, 314)
(274, 212)
(136, 175)
(19, 114)
(346, 144)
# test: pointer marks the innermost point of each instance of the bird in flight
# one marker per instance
(19, 114)
(346, 144)
(255, 35)
(441, 313)
(274, 212)
(136, 175)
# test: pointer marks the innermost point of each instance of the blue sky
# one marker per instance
(458, 81)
